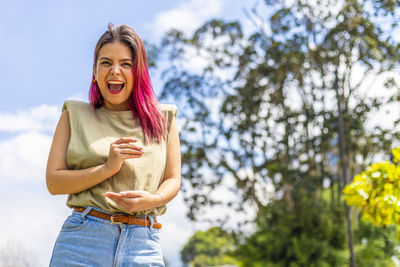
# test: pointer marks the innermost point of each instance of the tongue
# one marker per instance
(116, 87)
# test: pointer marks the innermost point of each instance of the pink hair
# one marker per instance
(143, 103)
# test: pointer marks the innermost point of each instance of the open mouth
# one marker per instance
(115, 87)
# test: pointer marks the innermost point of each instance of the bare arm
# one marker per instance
(169, 188)
(61, 180)
(172, 175)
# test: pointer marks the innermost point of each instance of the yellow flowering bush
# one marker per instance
(376, 191)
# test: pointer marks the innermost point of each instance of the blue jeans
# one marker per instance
(86, 240)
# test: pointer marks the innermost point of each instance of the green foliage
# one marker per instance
(303, 236)
(298, 235)
(212, 247)
(376, 245)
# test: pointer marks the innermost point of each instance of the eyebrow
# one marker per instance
(125, 59)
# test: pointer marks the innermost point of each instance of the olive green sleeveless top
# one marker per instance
(92, 132)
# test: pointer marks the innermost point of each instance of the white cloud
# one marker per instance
(40, 118)
(33, 219)
(186, 17)
(24, 157)
(33, 215)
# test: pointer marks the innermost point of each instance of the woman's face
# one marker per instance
(113, 74)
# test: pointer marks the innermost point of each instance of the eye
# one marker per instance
(105, 63)
(127, 64)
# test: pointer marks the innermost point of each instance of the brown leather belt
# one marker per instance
(121, 218)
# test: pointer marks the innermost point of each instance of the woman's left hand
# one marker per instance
(134, 200)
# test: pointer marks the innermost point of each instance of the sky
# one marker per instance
(46, 51)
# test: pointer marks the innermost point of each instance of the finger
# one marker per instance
(125, 157)
(131, 194)
(113, 198)
(125, 140)
(129, 151)
(129, 146)
(112, 194)
(126, 203)
(117, 199)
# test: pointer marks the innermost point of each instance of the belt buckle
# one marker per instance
(112, 219)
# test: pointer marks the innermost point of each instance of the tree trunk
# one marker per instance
(343, 162)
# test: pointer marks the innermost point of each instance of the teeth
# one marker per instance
(115, 82)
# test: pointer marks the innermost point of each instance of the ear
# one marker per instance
(94, 71)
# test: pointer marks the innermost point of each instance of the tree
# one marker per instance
(296, 236)
(262, 111)
(212, 247)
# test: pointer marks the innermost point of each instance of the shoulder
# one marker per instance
(72, 105)
(170, 111)
(169, 108)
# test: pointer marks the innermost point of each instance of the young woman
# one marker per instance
(117, 158)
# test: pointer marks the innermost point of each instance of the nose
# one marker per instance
(115, 69)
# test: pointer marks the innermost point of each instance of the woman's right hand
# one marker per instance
(120, 150)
